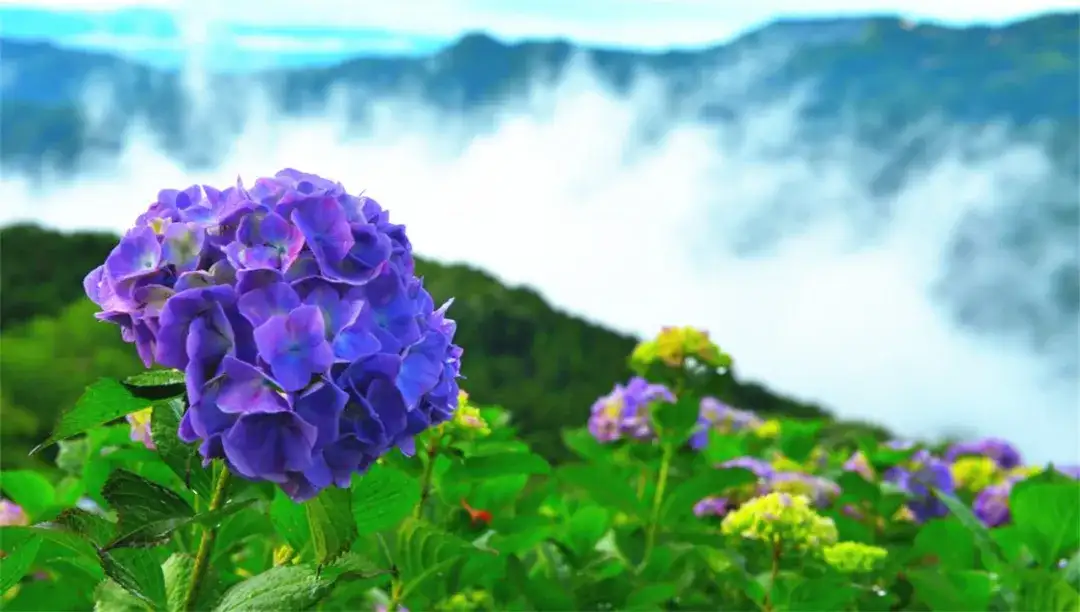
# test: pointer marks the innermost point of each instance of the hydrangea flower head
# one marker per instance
(12, 514)
(673, 345)
(859, 464)
(467, 418)
(780, 518)
(923, 474)
(820, 490)
(715, 415)
(140, 427)
(711, 506)
(991, 505)
(974, 473)
(1001, 452)
(309, 346)
(625, 412)
(853, 557)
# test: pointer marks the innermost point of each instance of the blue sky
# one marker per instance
(160, 30)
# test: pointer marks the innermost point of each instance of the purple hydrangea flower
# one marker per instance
(1003, 453)
(624, 413)
(711, 506)
(309, 346)
(923, 473)
(760, 468)
(12, 514)
(991, 505)
(716, 415)
(859, 464)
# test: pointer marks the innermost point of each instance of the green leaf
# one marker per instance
(111, 597)
(94, 528)
(797, 438)
(103, 401)
(157, 378)
(680, 503)
(721, 448)
(290, 521)
(948, 540)
(952, 590)
(677, 420)
(425, 552)
(1047, 515)
(603, 486)
(992, 555)
(857, 490)
(184, 459)
(178, 569)
(138, 572)
(651, 596)
(331, 523)
(821, 594)
(585, 445)
(158, 531)
(30, 490)
(382, 498)
(57, 546)
(17, 563)
(586, 527)
(289, 587)
(1042, 589)
(494, 466)
(140, 503)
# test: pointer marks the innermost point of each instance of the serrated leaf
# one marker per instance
(177, 571)
(184, 459)
(140, 503)
(138, 572)
(288, 587)
(156, 378)
(382, 498)
(424, 551)
(158, 531)
(103, 401)
(1047, 515)
(496, 465)
(94, 528)
(57, 545)
(111, 597)
(17, 563)
(331, 523)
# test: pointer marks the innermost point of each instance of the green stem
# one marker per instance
(658, 500)
(777, 552)
(206, 544)
(425, 481)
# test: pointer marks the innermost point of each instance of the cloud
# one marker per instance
(619, 210)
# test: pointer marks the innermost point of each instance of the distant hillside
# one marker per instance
(547, 367)
(883, 71)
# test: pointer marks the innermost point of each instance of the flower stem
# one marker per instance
(206, 544)
(777, 552)
(658, 500)
(425, 481)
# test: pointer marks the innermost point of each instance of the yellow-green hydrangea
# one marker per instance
(769, 429)
(853, 557)
(466, 601)
(674, 344)
(467, 417)
(784, 464)
(781, 518)
(975, 473)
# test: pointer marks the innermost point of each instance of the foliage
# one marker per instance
(478, 521)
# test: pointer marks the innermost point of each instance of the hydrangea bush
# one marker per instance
(292, 348)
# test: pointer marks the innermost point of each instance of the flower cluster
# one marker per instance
(853, 557)
(974, 473)
(919, 478)
(781, 518)
(467, 420)
(12, 514)
(309, 346)
(140, 427)
(625, 412)
(715, 415)
(1001, 452)
(674, 345)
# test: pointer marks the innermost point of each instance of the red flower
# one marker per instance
(477, 516)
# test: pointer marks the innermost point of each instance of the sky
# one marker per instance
(158, 30)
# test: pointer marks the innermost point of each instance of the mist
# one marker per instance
(634, 214)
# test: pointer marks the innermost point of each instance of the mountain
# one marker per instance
(545, 366)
